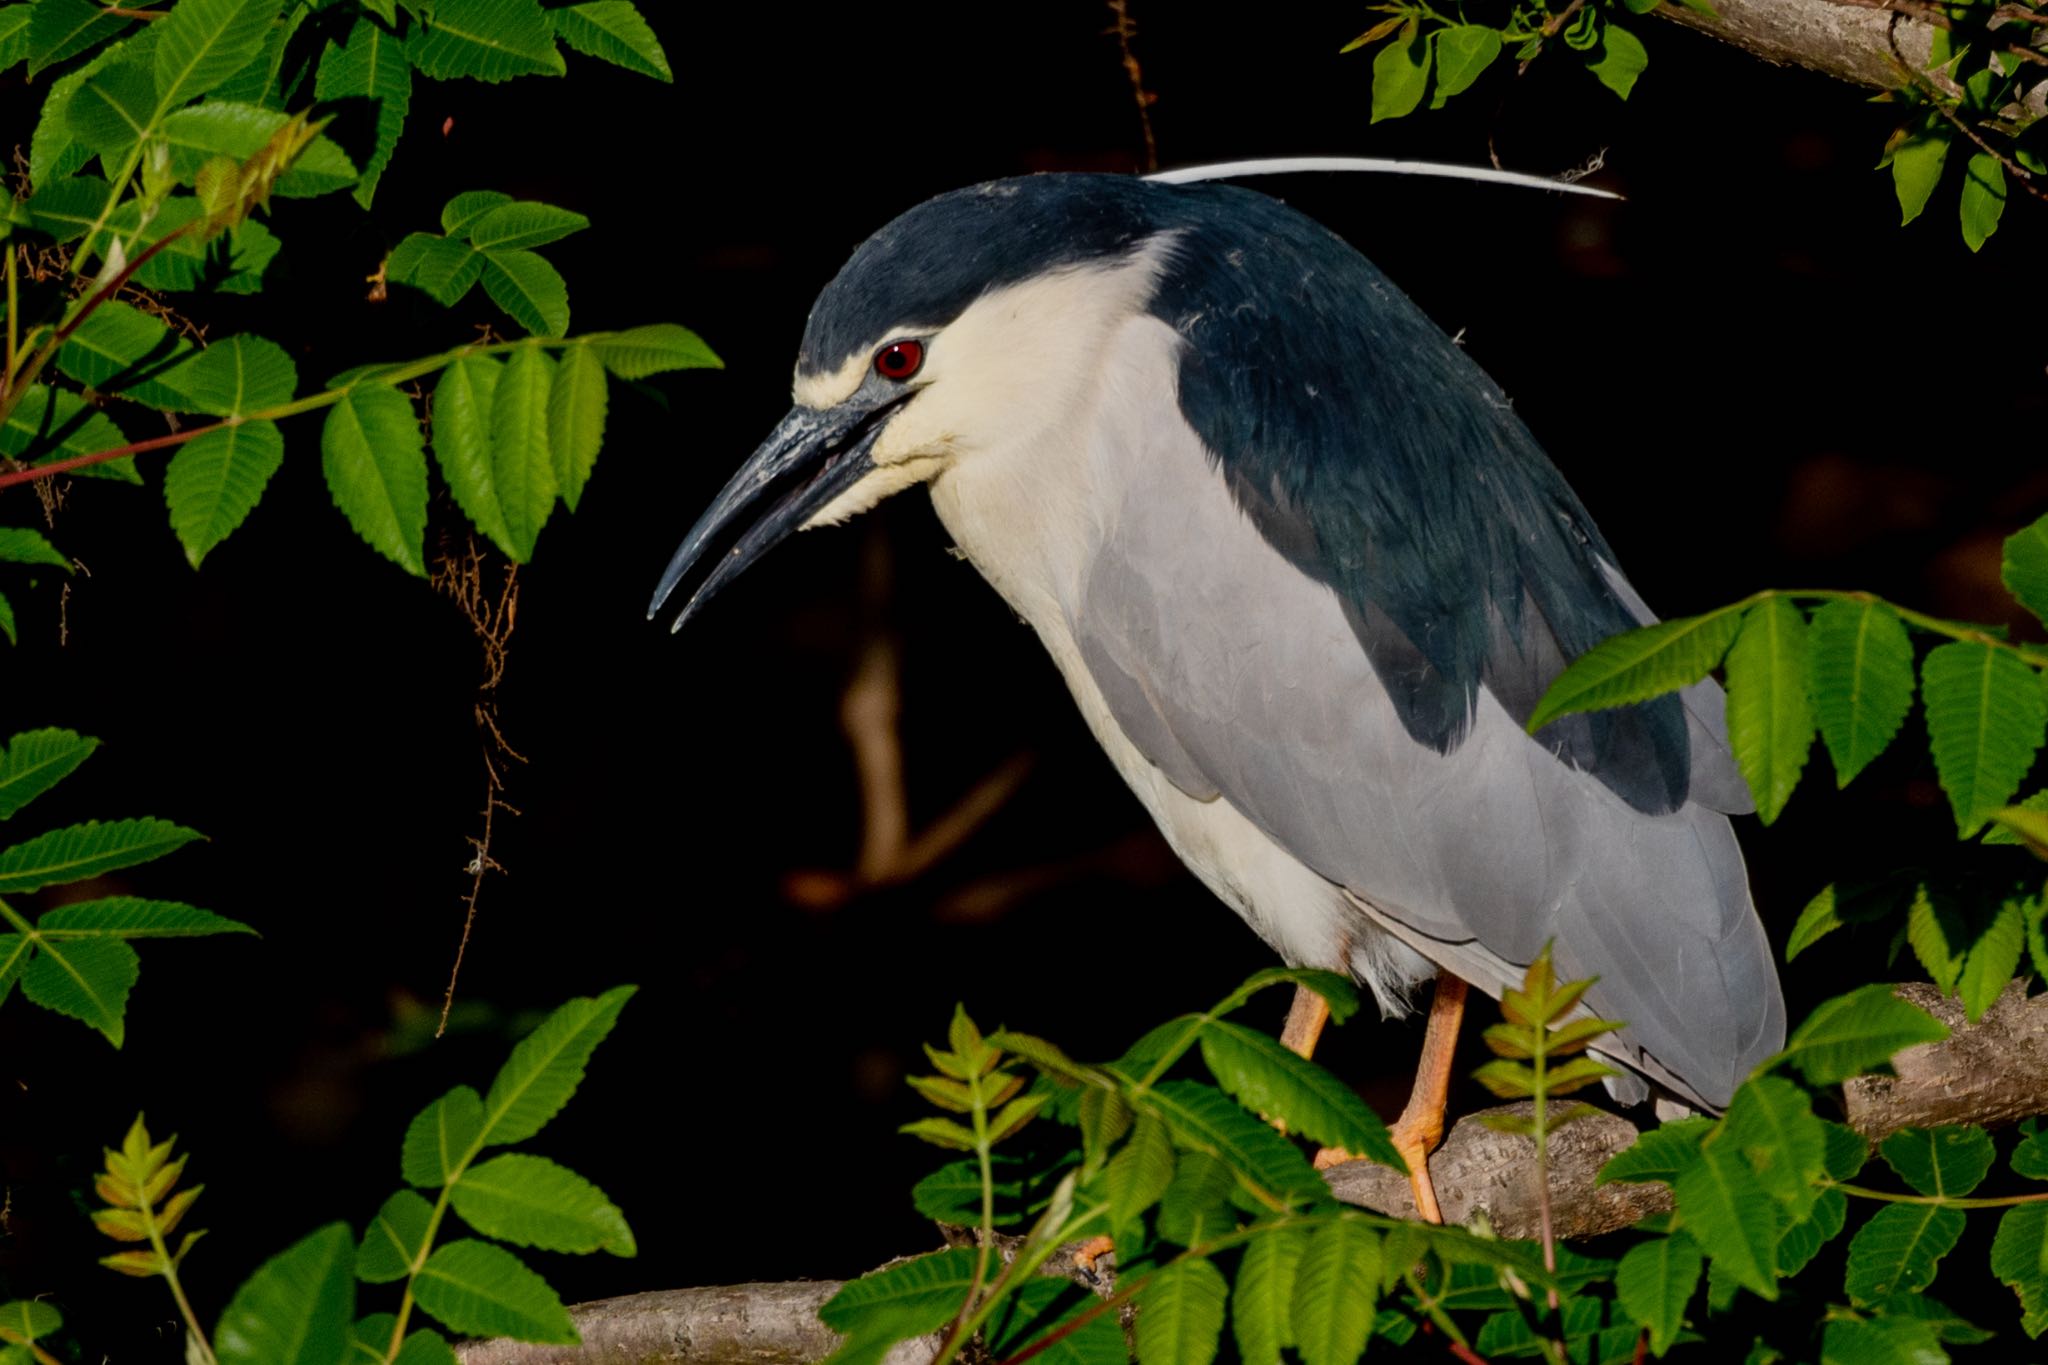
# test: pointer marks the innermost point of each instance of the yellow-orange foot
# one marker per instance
(1326, 1157)
(1091, 1251)
(1415, 1144)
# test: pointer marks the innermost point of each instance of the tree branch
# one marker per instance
(1992, 1072)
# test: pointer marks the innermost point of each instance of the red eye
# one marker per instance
(899, 360)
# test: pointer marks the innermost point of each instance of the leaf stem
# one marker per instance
(204, 1352)
(13, 320)
(1947, 1201)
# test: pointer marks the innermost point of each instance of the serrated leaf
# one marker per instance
(1881, 1341)
(530, 1201)
(86, 979)
(64, 209)
(25, 1320)
(1730, 1215)
(1044, 1307)
(14, 953)
(37, 760)
(1916, 169)
(440, 267)
(484, 1290)
(1204, 1118)
(1640, 664)
(376, 468)
(236, 377)
(547, 1066)
(465, 208)
(1993, 959)
(462, 443)
(440, 1136)
(1197, 1202)
(120, 349)
(1400, 73)
(1180, 1314)
(1950, 1160)
(1899, 1250)
(952, 1195)
(296, 1308)
(522, 464)
(241, 131)
(13, 48)
(2023, 567)
(1938, 939)
(1800, 1243)
(395, 1239)
(1463, 52)
(134, 917)
(656, 348)
(19, 545)
(576, 413)
(1138, 1175)
(525, 223)
(79, 851)
(612, 31)
(215, 481)
(925, 1289)
(7, 620)
(1659, 1154)
(203, 42)
(59, 29)
(1983, 200)
(486, 40)
(1815, 922)
(1655, 1281)
(1985, 719)
(1270, 1079)
(1335, 1287)
(113, 111)
(1770, 719)
(55, 424)
(1262, 1299)
(1772, 1124)
(940, 1133)
(371, 64)
(1951, 1327)
(1852, 1033)
(2019, 1258)
(530, 290)
(1622, 58)
(1861, 672)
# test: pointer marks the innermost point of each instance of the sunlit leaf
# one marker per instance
(522, 465)
(486, 40)
(1861, 672)
(1899, 1249)
(1770, 719)
(1853, 1033)
(1985, 718)
(395, 1239)
(79, 851)
(215, 481)
(1640, 664)
(296, 1308)
(530, 1201)
(371, 64)
(484, 1290)
(376, 468)
(547, 1066)
(1180, 1314)
(576, 413)
(37, 760)
(612, 31)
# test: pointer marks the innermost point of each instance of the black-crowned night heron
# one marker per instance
(1307, 574)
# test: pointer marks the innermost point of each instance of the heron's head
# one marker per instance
(975, 320)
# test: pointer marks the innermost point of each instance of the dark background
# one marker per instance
(1752, 375)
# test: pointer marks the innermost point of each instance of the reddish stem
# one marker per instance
(56, 467)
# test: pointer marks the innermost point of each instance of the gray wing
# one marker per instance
(1242, 678)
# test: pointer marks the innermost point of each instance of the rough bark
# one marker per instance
(1840, 38)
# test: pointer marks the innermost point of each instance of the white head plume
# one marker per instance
(1295, 165)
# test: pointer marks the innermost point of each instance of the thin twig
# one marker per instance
(1125, 29)
(1940, 101)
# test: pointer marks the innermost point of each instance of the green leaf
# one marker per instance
(508, 227)
(86, 979)
(19, 545)
(66, 208)
(1772, 1123)
(1861, 673)
(204, 42)
(1916, 169)
(1138, 1176)
(1985, 719)
(134, 917)
(215, 481)
(1881, 1341)
(1938, 938)
(1280, 1084)
(486, 40)
(1463, 52)
(952, 1194)
(547, 1066)
(2019, 1258)
(1180, 1314)
(1203, 1118)
(639, 352)
(14, 952)
(37, 760)
(1800, 1243)
(395, 1239)
(465, 208)
(7, 620)
(1659, 1154)
(1400, 73)
(1655, 1281)
(55, 424)
(1043, 1307)
(522, 465)
(1196, 1205)
(486, 1291)
(1262, 1300)
(925, 1289)
(1993, 959)
(1731, 1216)
(2030, 1156)
(13, 48)
(233, 264)
(2024, 567)
(258, 81)
(530, 1201)
(376, 469)
(462, 443)
(530, 290)
(440, 1136)
(372, 64)
(58, 29)
(240, 131)
(1815, 922)
(236, 377)
(441, 267)
(576, 413)
(1949, 1326)
(1852, 1033)
(296, 1308)
(1899, 1249)
(113, 111)
(1983, 199)
(76, 852)
(424, 1347)
(1950, 1160)
(120, 349)
(1640, 664)
(24, 1320)
(1622, 58)
(1334, 1290)
(1770, 720)
(612, 31)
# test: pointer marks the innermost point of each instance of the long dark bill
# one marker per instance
(810, 458)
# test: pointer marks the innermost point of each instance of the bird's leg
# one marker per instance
(1305, 1020)
(1421, 1125)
